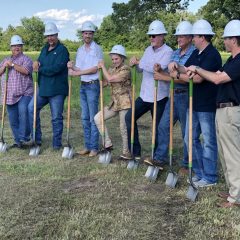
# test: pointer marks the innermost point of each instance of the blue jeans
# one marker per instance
(141, 108)
(204, 154)
(18, 119)
(179, 114)
(56, 105)
(89, 100)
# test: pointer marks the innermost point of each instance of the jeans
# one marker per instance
(204, 155)
(56, 105)
(141, 108)
(18, 119)
(179, 114)
(89, 99)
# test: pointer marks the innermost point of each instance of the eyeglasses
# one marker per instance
(152, 36)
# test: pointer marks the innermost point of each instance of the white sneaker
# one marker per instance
(194, 179)
(204, 183)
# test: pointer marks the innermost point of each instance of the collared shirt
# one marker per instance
(161, 56)
(204, 93)
(121, 91)
(53, 71)
(181, 59)
(88, 58)
(18, 84)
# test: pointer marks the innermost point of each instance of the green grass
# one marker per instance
(48, 197)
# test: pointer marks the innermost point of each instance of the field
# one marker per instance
(47, 197)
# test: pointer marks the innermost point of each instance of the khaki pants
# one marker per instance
(108, 113)
(228, 137)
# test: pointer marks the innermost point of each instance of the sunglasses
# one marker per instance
(152, 36)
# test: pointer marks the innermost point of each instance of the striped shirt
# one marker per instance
(18, 84)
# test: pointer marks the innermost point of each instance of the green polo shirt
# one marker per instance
(53, 71)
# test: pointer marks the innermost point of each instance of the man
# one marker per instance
(184, 40)
(204, 105)
(87, 60)
(19, 90)
(53, 84)
(228, 112)
(157, 53)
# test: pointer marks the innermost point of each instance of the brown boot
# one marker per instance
(93, 153)
(83, 152)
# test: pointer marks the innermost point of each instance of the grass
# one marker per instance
(48, 197)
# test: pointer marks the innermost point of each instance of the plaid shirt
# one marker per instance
(18, 84)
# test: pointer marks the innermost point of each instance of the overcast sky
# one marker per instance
(67, 14)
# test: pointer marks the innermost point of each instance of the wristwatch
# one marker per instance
(12, 65)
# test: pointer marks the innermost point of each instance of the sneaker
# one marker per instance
(93, 153)
(194, 179)
(83, 152)
(204, 183)
(126, 156)
(16, 145)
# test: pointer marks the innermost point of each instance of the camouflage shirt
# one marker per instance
(121, 91)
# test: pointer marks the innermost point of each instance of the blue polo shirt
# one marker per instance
(181, 60)
(205, 93)
(230, 91)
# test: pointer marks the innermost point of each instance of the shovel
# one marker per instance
(133, 164)
(3, 145)
(68, 150)
(35, 149)
(152, 171)
(192, 192)
(172, 177)
(105, 156)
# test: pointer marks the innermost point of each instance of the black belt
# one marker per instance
(90, 82)
(180, 90)
(227, 104)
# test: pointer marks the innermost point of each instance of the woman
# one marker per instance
(118, 77)
(19, 90)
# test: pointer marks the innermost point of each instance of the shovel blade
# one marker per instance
(34, 151)
(3, 147)
(155, 174)
(67, 152)
(105, 157)
(171, 180)
(192, 193)
(132, 165)
(149, 172)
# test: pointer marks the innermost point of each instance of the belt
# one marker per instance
(227, 104)
(90, 82)
(180, 90)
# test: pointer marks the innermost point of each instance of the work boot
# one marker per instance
(126, 156)
(183, 171)
(93, 153)
(83, 152)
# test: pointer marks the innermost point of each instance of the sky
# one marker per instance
(67, 14)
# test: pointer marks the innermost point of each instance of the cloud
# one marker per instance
(63, 17)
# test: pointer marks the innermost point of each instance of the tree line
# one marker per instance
(129, 22)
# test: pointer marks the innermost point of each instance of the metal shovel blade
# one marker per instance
(34, 151)
(67, 152)
(132, 165)
(105, 157)
(3, 147)
(171, 180)
(192, 193)
(149, 172)
(155, 174)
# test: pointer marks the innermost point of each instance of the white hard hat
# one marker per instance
(16, 40)
(88, 26)
(184, 28)
(50, 29)
(232, 29)
(156, 27)
(118, 49)
(202, 27)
